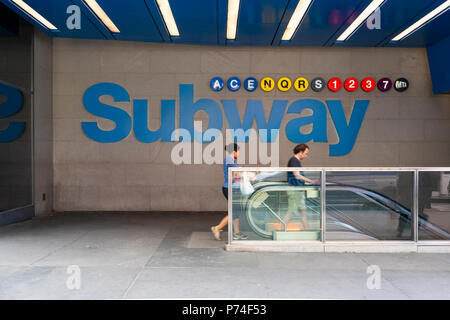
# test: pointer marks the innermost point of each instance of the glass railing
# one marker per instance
(433, 205)
(339, 204)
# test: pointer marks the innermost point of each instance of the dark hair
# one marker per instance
(300, 148)
(232, 147)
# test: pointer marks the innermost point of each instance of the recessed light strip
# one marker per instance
(232, 18)
(166, 11)
(360, 19)
(415, 26)
(296, 18)
(25, 7)
(102, 15)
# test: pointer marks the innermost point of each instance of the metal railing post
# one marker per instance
(323, 203)
(230, 205)
(415, 228)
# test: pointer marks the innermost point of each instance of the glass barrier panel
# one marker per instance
(266, 206)
(364, 206)
(434, 205)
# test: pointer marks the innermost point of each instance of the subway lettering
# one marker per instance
(12, 105)
(347, 130)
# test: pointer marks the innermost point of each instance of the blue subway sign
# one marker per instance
(217, 84)
(13, 104)
(346, 129)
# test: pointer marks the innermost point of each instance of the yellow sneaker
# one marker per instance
(216, 233)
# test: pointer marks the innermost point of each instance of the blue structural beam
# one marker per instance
(440, 65)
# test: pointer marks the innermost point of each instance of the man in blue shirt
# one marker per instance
(230, 161)
(296, 198)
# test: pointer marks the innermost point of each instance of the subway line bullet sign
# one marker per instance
(301, 84)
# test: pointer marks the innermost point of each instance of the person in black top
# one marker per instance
(296, 199)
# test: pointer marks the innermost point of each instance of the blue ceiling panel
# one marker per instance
(321, 22)
(222, 6)
(258, 22)
(196, 21)
(56, 13)
(392, 14)
(133, 19)
(429, 34)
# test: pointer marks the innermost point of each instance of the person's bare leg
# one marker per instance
(223, 223)
(236, 225)
(287, 217)
(304, 220)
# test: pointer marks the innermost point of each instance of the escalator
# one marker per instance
(353, 213)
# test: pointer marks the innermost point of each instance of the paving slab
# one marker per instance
(203, 240)
(408, 261)
(426, 285)
(198, 282)
(311, 261)
(128, 248)
(184, 257)
(32, 283)
(331, 284)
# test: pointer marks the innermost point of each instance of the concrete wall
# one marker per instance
(400, 129)
(43, 124)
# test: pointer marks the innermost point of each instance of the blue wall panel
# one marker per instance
(438, 60)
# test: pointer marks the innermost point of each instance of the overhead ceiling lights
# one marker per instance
(25, 7)
(415, 26)
(166, 11)
(102, 15)
(360, 19)
(296, 19)
(232, 18)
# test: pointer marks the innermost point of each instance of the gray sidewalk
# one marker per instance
(173, 255)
